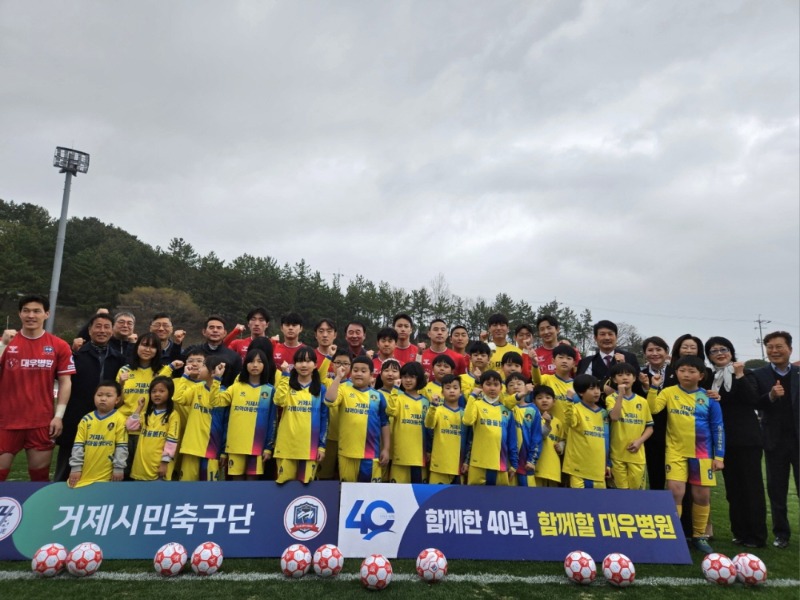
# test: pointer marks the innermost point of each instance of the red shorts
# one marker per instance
(14, 440)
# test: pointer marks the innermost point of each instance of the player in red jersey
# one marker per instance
(29, 366)
(325, 332)
(404, 351)
(437, 332)
(257, 323)
(548, 328)
(291, 328)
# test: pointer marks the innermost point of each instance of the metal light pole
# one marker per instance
(70, 162)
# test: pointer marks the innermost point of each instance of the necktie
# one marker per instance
(608, 361)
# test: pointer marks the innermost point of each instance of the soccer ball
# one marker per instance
(618, 570)
(296, 561)
(376, 572)
(750, 569)
(328, 561)
(719, 569)
(49, 560)
(580, 567)
(84, 559)
(170, 559)
(207, 558)
(431, 565)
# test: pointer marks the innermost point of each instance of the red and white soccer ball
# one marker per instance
(431, 565)
(618, 570)
(207, 558)
(49, 560)
(296, 561)
(719, 569)
(84, 559)
(328, 561)
(376, 572)
(750, 569)
(170, 559)
(580, 567)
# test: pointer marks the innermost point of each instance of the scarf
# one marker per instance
(723, 377)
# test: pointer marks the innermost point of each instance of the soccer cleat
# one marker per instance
(702, 544)
(781, 543)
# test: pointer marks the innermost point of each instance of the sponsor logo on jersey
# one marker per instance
(48, 350)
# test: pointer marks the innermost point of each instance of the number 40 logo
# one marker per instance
(377, 517)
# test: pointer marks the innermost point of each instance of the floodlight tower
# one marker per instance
(71, 162)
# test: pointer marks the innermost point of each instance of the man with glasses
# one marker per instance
(161, 326)
(779, 393)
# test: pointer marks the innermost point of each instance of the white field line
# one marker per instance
(480, 578)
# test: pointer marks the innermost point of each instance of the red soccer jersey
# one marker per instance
(241, 346)
(321, 358)
(429, 355)
(281, 352)
(28, 369)
(544, 356)
(406, 355)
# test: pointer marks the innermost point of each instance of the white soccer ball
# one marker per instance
(376, 572)
(580, 568)
(296, 561)
(750, 569)
(207, 558)
(328, 561)
(49, 560)
(431, 565)
(84, 559)
(719, 569)
(618, 570)
(170, 559)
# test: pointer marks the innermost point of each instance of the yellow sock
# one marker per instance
(700, 519)
(680, 510)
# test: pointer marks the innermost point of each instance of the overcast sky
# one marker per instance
(637, 158)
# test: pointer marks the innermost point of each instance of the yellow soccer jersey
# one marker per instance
(157, 435)
(304, 423)
(197, 439)
(494, 435)
(496, 361)
(410, 438)
(449, 448)
(549, 465)
(362, 417)
(101, 446)
(333, 413)
(251, 424)
(585, 456)
(136, 386)
(631, 425)
(432, 389)
(560, 388)
(468, 383)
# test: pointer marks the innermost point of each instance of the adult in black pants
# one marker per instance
(735, 388)
(655, 351)
(779, 402)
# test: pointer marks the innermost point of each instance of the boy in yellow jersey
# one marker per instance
(100, 452)
(529, 430)
(548, 469)
(329, 467)
(493, 454)
(202, 440)
(479, 353)
(411, 440)
(445, 420)
(631, 426)
(695, 440)
(586, 456)
(364, 434)
(561, 381)
(511, 363)
(441, 365)
(498, 330)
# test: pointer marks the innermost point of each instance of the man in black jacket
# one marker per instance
(779, 403)
(214, 333)
(599, 364)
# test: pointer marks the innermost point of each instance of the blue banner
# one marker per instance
(132, 520)
(479, 522)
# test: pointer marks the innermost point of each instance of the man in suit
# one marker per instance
(600, 363)
(779, 403)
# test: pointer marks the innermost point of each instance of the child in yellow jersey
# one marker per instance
(586, 456)
(252, 420)
(159, 427)
(631, 426)
(479, 353)
(202, 441)
(493, 454)
(548, 469)
(135, 379)
(410, 439)
(303, 429)
(329, 467)
(101, 444)
(386, 383)
(365, 437)
(529, 430)
(440, 366)
(561, 381)
(449, 447)
(511, 363)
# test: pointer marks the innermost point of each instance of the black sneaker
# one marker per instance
(702, 544)
(738, 542)
(781, 543)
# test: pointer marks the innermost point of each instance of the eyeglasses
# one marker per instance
(715, 351)
(340, 363)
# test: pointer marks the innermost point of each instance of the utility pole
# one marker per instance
(760, 339)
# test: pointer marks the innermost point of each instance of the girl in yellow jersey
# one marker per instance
(411, 441)
(160, 428)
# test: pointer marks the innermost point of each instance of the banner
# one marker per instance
(509, 523)
(132, 520)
